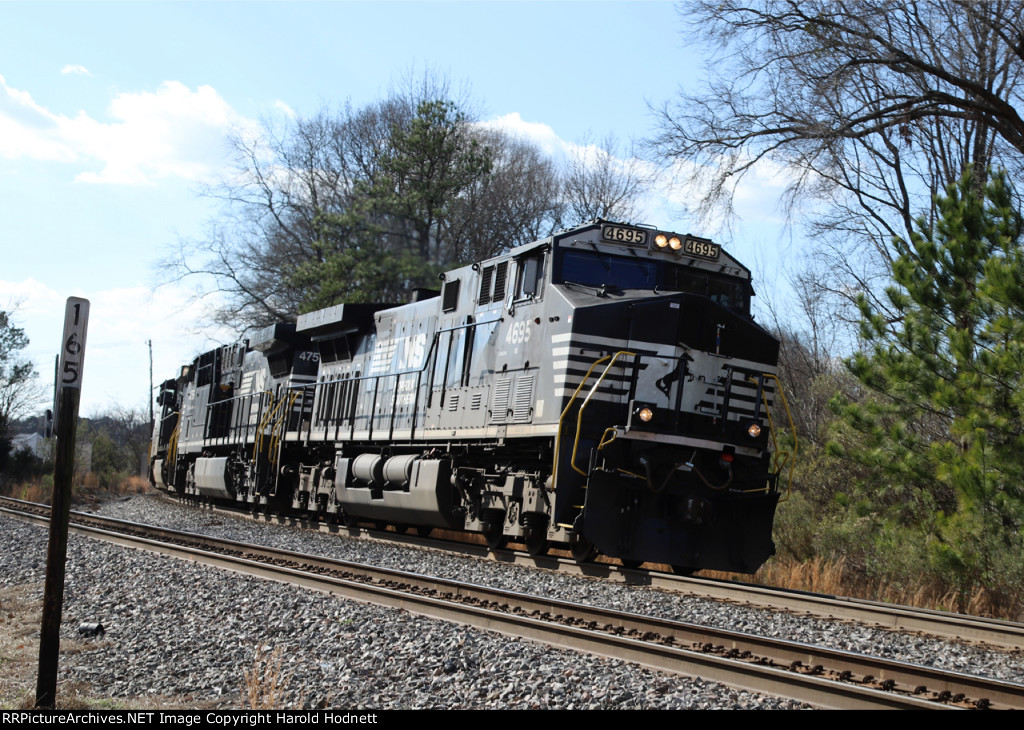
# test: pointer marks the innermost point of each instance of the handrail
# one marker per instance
(429, 364)
(355, 380)
(586, 401)
(172, 442)
(282, 418)
(782, 458)
(234, 422)
(264, 420)
(558, 433)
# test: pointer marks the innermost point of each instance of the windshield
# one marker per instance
(620, 272)
(593, 269)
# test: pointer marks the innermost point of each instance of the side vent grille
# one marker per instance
(485, 285)
(522, 409)
(499, 281)
(499, 403)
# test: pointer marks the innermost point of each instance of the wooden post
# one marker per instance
(72, 357)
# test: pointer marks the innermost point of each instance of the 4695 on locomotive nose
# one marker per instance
(604, 389)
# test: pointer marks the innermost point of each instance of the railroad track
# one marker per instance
(941, 624)
(822, 677)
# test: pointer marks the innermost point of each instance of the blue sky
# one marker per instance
(114, 115)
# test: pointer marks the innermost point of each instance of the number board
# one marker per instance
(619, 234)
(702, 248)
(72, 351)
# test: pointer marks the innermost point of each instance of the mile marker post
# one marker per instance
(69, 375)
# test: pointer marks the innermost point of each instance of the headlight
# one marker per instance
(661, 240)
(642, 414)
(674, 243)
(754, 430)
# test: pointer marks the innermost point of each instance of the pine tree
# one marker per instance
(947, 425)
(427, 165)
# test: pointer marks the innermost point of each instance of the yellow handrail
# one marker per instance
(282, 417)
(258, 441)
(172, 442)
(782, 458)
(609, 435)
(558, 433)
(586, 401)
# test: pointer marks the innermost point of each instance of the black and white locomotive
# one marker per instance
(604, 389)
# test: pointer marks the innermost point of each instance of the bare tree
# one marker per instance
(20, 391)
(871, 108)
(602, 183)
(282, 179)
(519, 202)
(128, 427)
(363, 203)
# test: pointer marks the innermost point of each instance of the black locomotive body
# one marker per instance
(604, 389)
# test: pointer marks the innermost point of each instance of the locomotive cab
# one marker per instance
(665, 436)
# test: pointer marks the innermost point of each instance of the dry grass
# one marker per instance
(33, 491)
(836, 578)
(86, 489)
(20, 617)
(816, 575)
(265, 682)
(134, 485)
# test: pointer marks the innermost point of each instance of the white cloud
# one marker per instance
(540, 134)
(174, 132)
(121, 320)
(284, 109)
(74, 68)
(669, 202)
(28, 130)
(27, 297)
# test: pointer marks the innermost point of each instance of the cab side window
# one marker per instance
(530, 279)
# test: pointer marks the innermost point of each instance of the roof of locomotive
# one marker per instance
(339, 319)
(640, 241)
(594, 236)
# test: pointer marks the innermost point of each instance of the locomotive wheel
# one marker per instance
(346, 519)
(683, 570)
(583, 551)
(380, 525)
(495, 537)
(631, 564)
(401, 529)
(424, 530)
(536, 543)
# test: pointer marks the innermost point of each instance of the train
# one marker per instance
(604, 390)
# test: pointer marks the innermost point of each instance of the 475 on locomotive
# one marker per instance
(604, 389)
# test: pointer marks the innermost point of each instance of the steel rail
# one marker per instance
(941, 624)
(770, 665)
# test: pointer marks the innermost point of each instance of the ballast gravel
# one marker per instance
(189, 631)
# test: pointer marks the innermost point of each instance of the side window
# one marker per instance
(450, 297)
(730, 294)
(484, 349)
(453, 372)
(531, 275)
